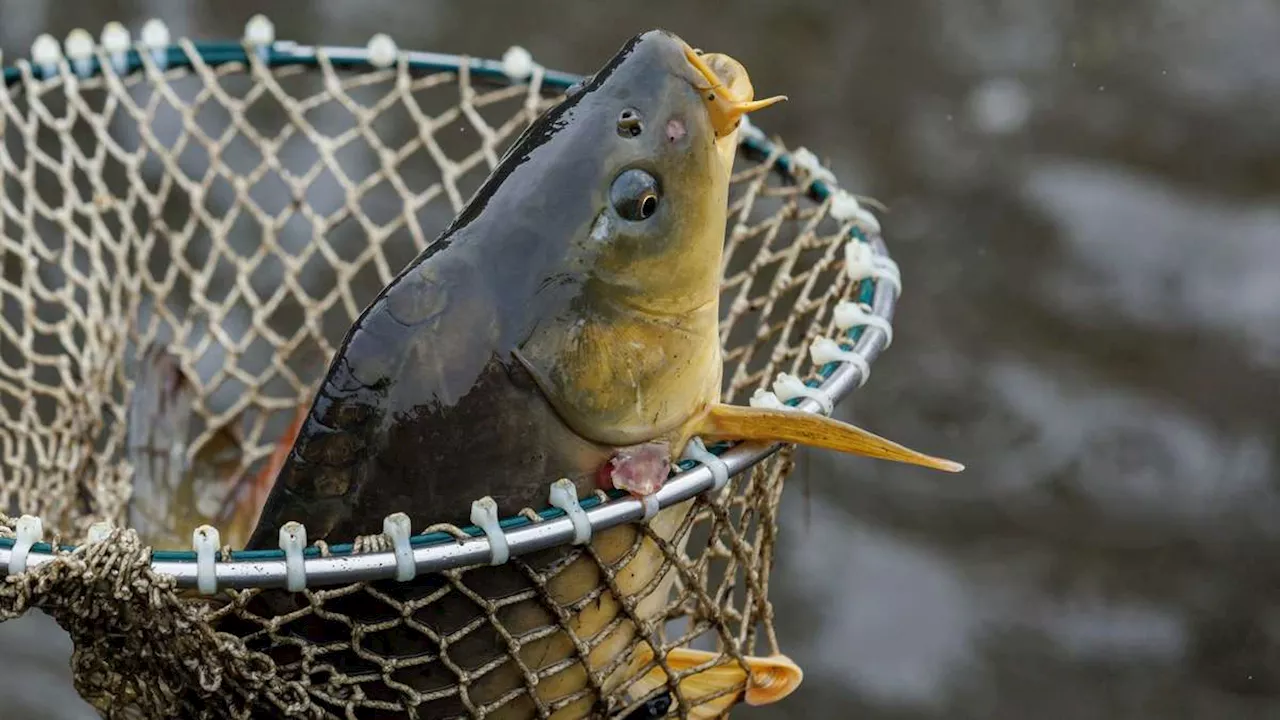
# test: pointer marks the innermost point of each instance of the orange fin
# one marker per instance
(734, 422)
(244, 503)
(772, 678)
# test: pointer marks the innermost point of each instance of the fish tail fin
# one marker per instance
(158, 425)
(248, 494)
(771, 679)
(735, 422)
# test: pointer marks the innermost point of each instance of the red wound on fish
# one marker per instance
(640, 469)
(675, 129)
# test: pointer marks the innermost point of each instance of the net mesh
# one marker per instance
(239, 216)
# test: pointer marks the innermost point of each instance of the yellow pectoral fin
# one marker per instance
(734, 422)
(708, 691)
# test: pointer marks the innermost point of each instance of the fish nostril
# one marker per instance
(629, 124)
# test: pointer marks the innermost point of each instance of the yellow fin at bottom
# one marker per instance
(734, 422)
(708, 690)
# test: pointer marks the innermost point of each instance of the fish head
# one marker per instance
(667, 120)
(636, 353)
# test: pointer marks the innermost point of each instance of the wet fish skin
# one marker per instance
(508, 355)
(501, 357)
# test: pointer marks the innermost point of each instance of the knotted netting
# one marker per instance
(230, 209)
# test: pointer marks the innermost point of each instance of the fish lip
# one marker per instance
(704, 72)
(728, 99)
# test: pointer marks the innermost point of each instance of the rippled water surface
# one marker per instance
(1085, 204)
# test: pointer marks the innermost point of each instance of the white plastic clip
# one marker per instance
(293, 538)
(484, 515)
(382, 50)
(517, 63)
(45, 54)
(808, 164)
(79, 48)
(98, 532)
(649, 507)
(697, 450)
(155, 37)
(565, 496)
(787, 386)
(115, 41)
(844, 206)
(851, 314)
(762, 398)
(398, 528)
(861, 262)
(824, 350)
(30, 530)
(259, 33)
(206, 541)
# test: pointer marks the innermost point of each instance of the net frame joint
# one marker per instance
(397, 528)
(484, 515)
(99, 531)
(293, 538)
(824, 350)
(155, 39)
(861, 263)
(768, 400)
(564, 495)
(205, 541)
(848, 314)
(115, 41)
(787, 387)
(29, 530)
(844, 207)
(697, 451)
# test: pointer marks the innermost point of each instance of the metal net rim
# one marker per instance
(439, 551)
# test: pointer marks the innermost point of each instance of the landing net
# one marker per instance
(232, 207)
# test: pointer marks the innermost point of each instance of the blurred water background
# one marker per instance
(1085, 202)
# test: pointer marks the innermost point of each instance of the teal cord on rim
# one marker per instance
(285, 53)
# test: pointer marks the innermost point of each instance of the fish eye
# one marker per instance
(629, 124)
(635, 195)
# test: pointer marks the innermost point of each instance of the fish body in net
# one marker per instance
(442, 391)
(571, 309)
(565, 325)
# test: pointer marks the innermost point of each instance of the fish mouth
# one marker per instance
(726, 87)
